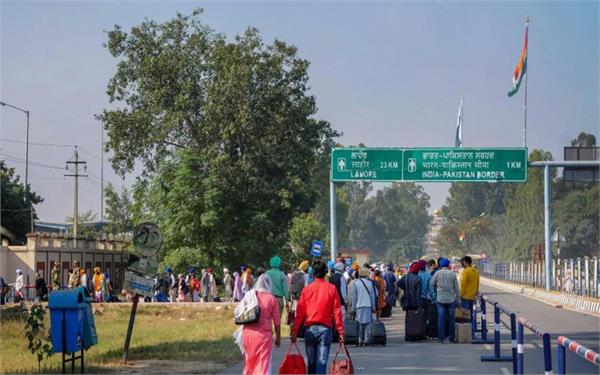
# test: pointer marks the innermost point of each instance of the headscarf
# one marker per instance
(275, 262)
(443, 262)
(263, 284)
(97, 270)
(303, 266)
(422, 264)
(225, 270)
(19, 271)
(339, 267)
(363, 272)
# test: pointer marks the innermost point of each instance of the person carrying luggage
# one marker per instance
(363, 306)
(257, 337)
(339, 281)
(319, 308)
(414, 322)
(298, 280)
(445, 284)
(469, 285)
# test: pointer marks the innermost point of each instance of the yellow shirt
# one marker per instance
(469, 283)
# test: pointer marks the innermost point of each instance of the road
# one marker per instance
(583, 328)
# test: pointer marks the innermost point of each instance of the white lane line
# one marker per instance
(505, 371)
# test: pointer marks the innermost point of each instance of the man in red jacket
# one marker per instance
(319, 308)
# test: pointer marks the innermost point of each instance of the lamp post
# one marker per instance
(26, 112)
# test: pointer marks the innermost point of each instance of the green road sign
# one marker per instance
(429, 164)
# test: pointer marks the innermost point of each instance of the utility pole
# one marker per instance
(101, 173)
(75, 162)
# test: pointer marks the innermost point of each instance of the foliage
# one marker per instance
(459, 238)
(118, 210)
(15, 206)
(305, 229)
(38, 337)
(468, 200)
(82, 218)
(182, 258)
(225, 131)
(393, 223)
(584, 139)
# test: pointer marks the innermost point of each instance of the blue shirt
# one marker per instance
(425, 289)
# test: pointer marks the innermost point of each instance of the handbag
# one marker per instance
(292, 363)
(341, 366)
(462, 315)
(248, 310)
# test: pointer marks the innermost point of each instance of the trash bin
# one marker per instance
(67, 309)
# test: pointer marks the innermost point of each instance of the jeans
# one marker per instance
(364, 334)
(317, 341)
(446, 312)
(468, 304)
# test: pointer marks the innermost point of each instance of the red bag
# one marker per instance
(341, 366)
(292, 363)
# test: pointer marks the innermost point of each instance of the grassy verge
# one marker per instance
(182, 333)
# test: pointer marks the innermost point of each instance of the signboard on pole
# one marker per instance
(316, 248)
(137, 284)
(429, 164)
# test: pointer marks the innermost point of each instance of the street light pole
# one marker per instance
(26, 112)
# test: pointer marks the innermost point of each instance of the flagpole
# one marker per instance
(526, 76)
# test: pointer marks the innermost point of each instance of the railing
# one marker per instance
(564, 343)
(497, 357)
(523, 322)
(578, 276)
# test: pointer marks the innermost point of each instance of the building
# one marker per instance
(44, 250)
(437, 222)
(360, 256)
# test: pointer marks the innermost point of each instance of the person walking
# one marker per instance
(227, 283)
(469, 285)
(410, 284)
(298, 280)
(214, 293)
(19, 286)
(338, 280)
(279, 283)
(379, 291)
(41, 290)
(390, 285)
(106, 287)
(97, 280)
(363, 305)
(182, 289)
(75, 276)
(4, 289)
(246, 279)
(447, 290)
(238, 293)
(84, 280)
(257, 337)
(172, 284)
(318, 310)
(195, 288)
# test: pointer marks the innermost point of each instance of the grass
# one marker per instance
(161, 332)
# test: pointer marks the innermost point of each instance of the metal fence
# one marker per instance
(572, 276)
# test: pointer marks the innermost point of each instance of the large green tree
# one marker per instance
(15, 214)
(118, 209)
(225, 130)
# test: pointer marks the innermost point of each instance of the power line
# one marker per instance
(34, 143)
(16, 159)
(89, 153)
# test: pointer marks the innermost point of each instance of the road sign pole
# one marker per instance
(332, 220)
(548, 226)
(130, 328)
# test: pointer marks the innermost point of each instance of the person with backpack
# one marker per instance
(278, 283)
(339, 281)
(319, 309)
(363, 305)
(298, 281)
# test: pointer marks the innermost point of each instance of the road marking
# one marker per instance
(505, 371)
(487, 346)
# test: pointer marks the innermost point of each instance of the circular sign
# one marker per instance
(147, 239)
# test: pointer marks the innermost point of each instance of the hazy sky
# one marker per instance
(384, 73)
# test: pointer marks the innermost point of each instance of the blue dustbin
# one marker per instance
(67, 311)
(90, 337)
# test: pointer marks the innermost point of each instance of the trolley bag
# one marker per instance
(341, 366)
(386, 312)
(415, 324)
(432, 320)
(350, 332)
(463, 333)
(292, 363)
(378, 334)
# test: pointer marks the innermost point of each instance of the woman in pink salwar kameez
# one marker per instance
(258, 337)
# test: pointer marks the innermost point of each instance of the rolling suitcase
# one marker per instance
(378, 334)
(415, 325)
(351, 332)
(386, 312)
(463, 333)
(432, 320)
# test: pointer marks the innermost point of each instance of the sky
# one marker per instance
(383, 73)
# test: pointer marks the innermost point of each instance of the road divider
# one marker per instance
(522, 323)
(497, 357)
(564, 343)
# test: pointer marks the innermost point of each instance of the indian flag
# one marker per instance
(520, 69)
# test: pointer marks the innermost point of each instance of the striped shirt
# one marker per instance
(445, 283)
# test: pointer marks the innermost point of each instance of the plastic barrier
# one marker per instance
(566, 343)
(523, 322)
(483, 329)
(497, 357)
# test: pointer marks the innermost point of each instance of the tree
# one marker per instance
(16, 215)
(83, 217)
(225, 131)
(305, 228)
(584, 139)
(118, 210)
(467, 200)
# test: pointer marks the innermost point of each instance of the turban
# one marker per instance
(339, 266)
(414, 267)
(444, 262)
(422, 264)
(275, 262)
(355, 266)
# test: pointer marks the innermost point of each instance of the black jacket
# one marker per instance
(411, 300)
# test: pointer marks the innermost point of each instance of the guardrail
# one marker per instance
(523, 322)
(564, 343)
(483, 330)
(497, 357)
